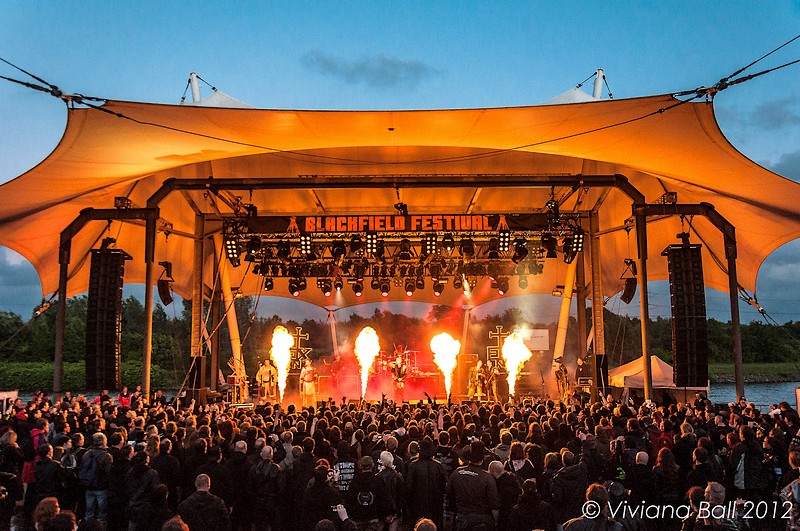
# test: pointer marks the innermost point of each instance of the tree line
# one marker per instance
(33, 340)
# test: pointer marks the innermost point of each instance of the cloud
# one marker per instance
(775, 114)
(19, 284)
(379, 71)
(788, 165)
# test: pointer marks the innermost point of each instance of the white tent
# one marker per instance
(630, 374)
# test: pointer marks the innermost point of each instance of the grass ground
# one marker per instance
(759, 371)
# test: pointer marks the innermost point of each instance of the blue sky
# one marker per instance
(401, 55)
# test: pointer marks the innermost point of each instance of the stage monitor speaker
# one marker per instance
(104, 318)
(689, 325)
(165, 292)
(628, 291)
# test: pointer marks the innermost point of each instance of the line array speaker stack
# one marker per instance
(104, 318)
(689, 325)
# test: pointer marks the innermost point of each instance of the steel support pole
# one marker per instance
(563, 316)
(644, 301)
(149, 257)
(598, 307)
(458, 383)
(196, 335)
(736, 328)
(580, 306)
(61, 324)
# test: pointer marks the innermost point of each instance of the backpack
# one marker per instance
(88, 474)
(29, 449)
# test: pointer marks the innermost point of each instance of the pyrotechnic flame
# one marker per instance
(282, 342)
(445, 350)
(515, 354)
(366, 349)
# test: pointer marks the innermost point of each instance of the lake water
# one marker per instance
(762, 394)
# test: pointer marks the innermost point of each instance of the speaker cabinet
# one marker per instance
(689, 325)
(104, 318)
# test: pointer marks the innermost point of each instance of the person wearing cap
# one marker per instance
(472, 492)
(617, 500)
(425, 485)
(366, 500)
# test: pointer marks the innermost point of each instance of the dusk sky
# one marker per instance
(406, 55)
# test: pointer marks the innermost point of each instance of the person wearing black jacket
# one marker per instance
(702, 472)
(425, 485)
(140, 482)
(169, 471)
(50, 475)
(509, 490)
(266, 483)
(117, 492)
(239, 469)
(366, 500)
(530, 512)
(569, 486)
(202, 511)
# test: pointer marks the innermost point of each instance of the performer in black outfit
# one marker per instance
(399, 370)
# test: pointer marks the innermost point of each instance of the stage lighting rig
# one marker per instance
(520, 251)
(232, 251)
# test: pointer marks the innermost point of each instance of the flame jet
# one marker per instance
(515, 354)
(281, 354)
(366, 349)
(445, 351)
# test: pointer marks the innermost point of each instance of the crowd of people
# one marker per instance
(116, 463)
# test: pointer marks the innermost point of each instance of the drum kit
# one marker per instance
(385, 359)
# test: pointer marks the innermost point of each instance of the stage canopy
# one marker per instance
(454, 162)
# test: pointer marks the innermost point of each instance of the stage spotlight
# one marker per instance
(268, 284)
(553, 215)
(570, 249)
(410, 286)
(385, 287)
(467, 249)
(358, 288)
(294, 287)
(457, 282)
(549, 244)
(504, 240)
(283, 251)
(253, 245)
(405, 249)
(536, 268)
(355, 244)
(338, 251)
(325, 286)
(523, 282)
(232, 251)
(420, 283)
(338, 284)
(494, 249)
(438, 288)
(520, 251)
(375, 284)
(448, 242)
(502, 286)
